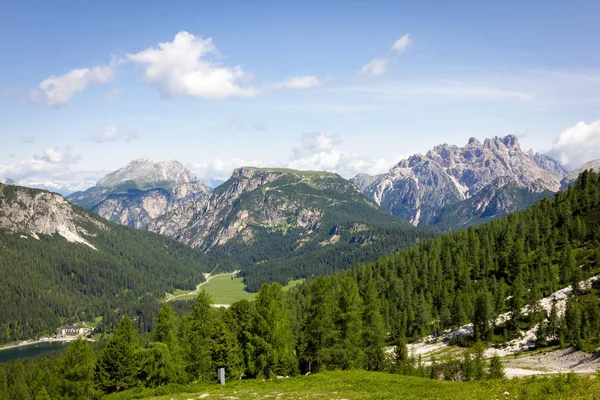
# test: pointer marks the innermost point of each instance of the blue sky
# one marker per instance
(344, 86)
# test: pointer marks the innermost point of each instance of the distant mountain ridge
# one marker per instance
(141, 191)
(420, 187)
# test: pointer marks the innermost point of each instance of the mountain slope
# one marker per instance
(417, 189)
(261, 217)
(61, 263)
(141, 192)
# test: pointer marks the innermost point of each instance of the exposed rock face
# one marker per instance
(33, 212)
(142, 191)
(572, 175)
(417, 189)
(256, 199)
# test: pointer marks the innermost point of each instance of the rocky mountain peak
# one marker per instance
(145, 172)
(418, 187)
(8, 181)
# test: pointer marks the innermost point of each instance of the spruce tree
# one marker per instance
(226, 351)
(496, 370)
(373, 329)
(317, 336)
(157, 366)
(117, 366)
(347, 351)
(198, 336)
(77, 370)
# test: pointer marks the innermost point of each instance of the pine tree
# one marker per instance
(347, 351)
(516, 301)
(272, 337)
(467, 368)
(225, 350)
(373, 329)
(541, 333)
(157, 367)
(317, 336)
(198, 336)
(117, 366)
(164, 329)
(77, 370)
(484, 316)
(479, 361)
(496, 368)
(553, 322)
(401, 358)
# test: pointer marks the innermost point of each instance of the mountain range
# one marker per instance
(452, 187)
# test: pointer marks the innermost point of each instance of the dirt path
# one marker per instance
(195, 292)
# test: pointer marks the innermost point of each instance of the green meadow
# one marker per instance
(377, 385)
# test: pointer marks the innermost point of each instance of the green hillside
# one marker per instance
(50, 281)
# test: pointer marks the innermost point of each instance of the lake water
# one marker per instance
(31, 351)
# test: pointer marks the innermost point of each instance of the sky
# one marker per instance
(350, 87)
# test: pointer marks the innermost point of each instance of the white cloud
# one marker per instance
(314, 151)
(57, 91)
(182, 68)
(298, 83)
(577, 145)
(52, 162)
(112, 134)
(321, 152)
(379, 65)
(53, 155)
(401, 44)
(220, 169)
(375, 67)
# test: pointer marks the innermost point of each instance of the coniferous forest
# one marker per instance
(351, 319)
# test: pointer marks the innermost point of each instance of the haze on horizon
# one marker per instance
(350, 89)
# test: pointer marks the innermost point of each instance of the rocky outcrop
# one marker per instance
(37, 212)
(418, 188)
(142, 191)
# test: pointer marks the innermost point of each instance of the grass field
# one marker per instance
(227, 290)
(374, 385)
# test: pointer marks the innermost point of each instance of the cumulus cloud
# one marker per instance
(54, 155)
(220, 169)
(112, 134)
(379, 65)
(57, 91)
(298, 83)
(184, 68)
(322, 151)
(52, 161)
(314, 151)
(577, 145)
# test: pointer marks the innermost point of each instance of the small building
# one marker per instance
(72, 330)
